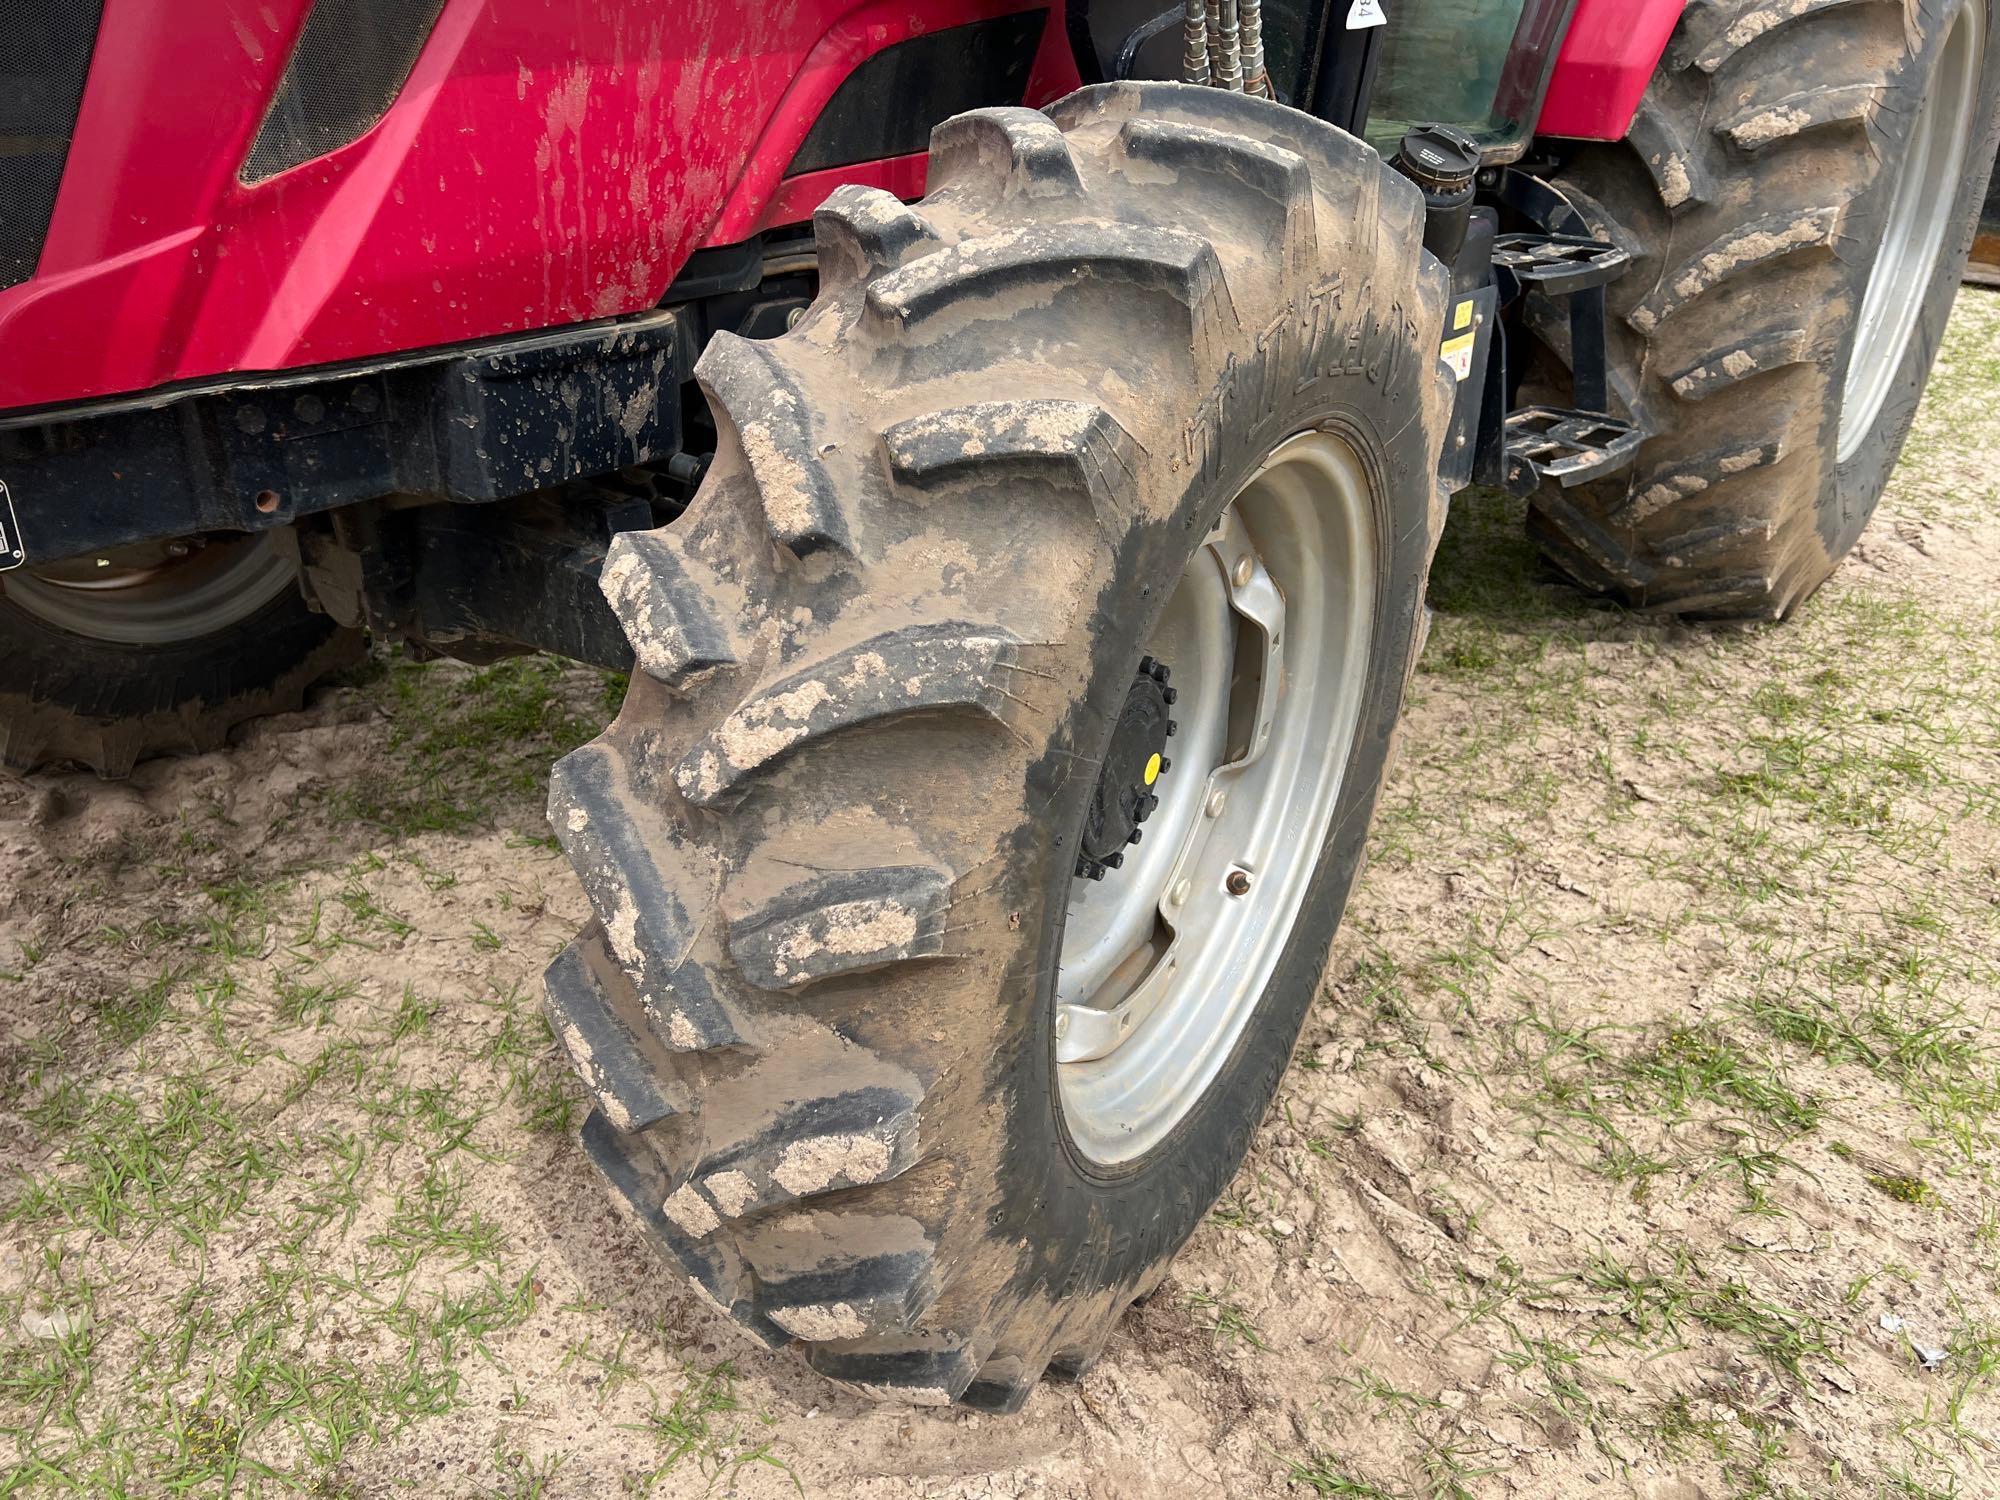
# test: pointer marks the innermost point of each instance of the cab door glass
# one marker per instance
(1478, 64)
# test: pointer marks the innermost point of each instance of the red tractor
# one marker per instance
(1006, 443)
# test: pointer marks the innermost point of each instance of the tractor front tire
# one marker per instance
(832, 837)
(1799, 193)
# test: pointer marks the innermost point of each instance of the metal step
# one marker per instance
(1558, 264)
(1569, 447)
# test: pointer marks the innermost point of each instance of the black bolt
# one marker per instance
(1146, 666)
(1114, 861)
(1134, 836)
(1172, 695)
(1172, 729)
(1165, 766)
(1160, 671)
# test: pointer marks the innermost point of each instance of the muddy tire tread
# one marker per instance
(1734, 193)
(792, 650)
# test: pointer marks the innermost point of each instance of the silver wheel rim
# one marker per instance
(1920, 212)
(1268, 636)
(161, 599)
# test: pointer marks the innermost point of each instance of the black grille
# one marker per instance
(352, 59)
(44, 57)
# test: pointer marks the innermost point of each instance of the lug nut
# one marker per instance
(1165, 766)
(1172, 695)
(1238, 883)
(1114, 861)
(1135, 835)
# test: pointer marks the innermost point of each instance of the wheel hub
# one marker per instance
(156, 594)
(1124, 797)
(1269, 632)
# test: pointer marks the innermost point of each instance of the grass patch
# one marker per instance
(464, 746)
(1224, 1321)
(703, 1425)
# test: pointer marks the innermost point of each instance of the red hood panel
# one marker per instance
(542, 165)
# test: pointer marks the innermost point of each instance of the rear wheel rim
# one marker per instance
(1920, 214)
(1164, 962)
(163, 600)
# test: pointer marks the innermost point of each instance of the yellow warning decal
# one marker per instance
(1458, 354)
(1152, 770)
(1462, 318)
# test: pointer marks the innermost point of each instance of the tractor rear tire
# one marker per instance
(831, 838)
(1757, 193)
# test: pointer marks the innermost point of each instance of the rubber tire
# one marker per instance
(106, 706)
(1752, 193)
(830, 836)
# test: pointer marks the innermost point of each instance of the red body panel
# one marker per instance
(1608, 58)
(541, 166)
(845, 45)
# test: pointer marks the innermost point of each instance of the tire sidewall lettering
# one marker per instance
(1332, 333)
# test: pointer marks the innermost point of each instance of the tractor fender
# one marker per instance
(1608, 57)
